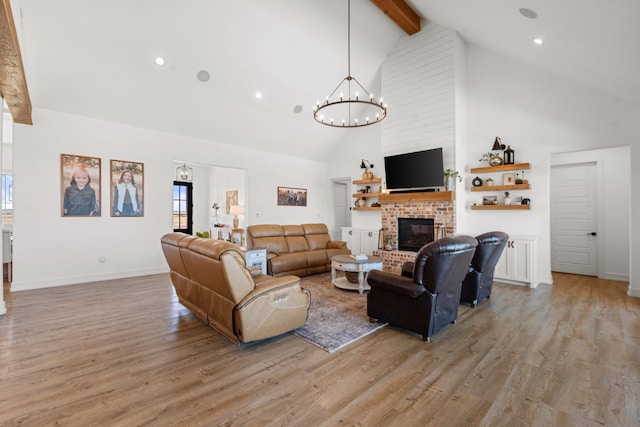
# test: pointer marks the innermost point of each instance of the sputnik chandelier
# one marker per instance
(337, 112)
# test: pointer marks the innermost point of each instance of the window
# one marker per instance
(183, 207)
(7, 199)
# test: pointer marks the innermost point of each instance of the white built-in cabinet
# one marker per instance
(517, 263)
(360, 241)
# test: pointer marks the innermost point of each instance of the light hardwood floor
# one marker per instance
(125, 353)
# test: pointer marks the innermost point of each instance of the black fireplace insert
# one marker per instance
(414, 233)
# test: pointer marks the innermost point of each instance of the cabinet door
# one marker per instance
(521, 260)
(347, 236)
(502, 267)
(368, 241)
(355, 241)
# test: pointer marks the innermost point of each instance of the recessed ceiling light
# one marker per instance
(159, 60)
(203, 76)
(538, 41)
(297, 109)
(527, 13)
(258, 94)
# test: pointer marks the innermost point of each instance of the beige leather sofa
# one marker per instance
(211, 280)
(301, 250)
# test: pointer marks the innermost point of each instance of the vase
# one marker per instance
(507, 200)
(495, 161)
(388, 247)
(450, 183)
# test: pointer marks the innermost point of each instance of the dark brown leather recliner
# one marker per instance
(476, 286)
(429, 300)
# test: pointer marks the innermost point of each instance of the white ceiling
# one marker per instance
(96, 58)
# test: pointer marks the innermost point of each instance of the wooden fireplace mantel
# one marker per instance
(426, 196)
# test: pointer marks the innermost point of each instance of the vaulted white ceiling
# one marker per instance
(95, 58)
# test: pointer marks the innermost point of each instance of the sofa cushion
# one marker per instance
(317, 235)
(297, 244)
(267, 236)
(317, 258)
(288, 262)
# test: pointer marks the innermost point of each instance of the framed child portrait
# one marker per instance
(127, 188)
(80, 185)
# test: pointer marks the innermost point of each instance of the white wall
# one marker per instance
(538, 114)
(50, 250)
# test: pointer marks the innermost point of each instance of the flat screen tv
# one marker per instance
(417, 171)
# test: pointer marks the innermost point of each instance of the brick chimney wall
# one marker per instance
(443, 214)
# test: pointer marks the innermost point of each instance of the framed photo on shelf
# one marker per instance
(508, 179)
(288, 196)
(127, 188)
(80, 185)
(490, 200)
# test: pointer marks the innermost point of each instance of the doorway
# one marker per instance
(574, 219)
(341, 204)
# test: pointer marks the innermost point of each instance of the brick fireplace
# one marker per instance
(440, 206)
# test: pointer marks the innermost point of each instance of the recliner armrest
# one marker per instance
(394, 283)
(273, 285)
(336, 244)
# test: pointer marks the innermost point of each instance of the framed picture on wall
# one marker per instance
(288, 196)
(80, 185)
(127, 188)
(231, 198)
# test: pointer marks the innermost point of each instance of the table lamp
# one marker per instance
(236, 210)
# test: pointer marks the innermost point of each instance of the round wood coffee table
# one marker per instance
(349, 264)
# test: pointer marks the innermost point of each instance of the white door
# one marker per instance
(573, 219)
(341, 204)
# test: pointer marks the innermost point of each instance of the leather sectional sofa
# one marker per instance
(211, 279)
(300, 250)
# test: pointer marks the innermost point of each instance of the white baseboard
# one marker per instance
(633, 292)
(74, 280)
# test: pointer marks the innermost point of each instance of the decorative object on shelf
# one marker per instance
(518, 180)
(524, 181)
(235, 211)
(489, 182)
(508, 178)
(490, 200)
(477, 182)
(507, 199)
(449, 179)
(509, 156)
(492, 158)
(361, 203)
(497, 144)
(184, 173)
(366, 165)
(372, 110)
(375, 205)
(526, 201)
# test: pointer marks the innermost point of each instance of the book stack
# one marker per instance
(360, 257)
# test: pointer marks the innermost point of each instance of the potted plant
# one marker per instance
(507, 199)
(492, 157)
(488, 181)
(449, 179)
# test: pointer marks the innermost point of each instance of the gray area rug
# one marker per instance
(337, 317)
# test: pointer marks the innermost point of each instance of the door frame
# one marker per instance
(605, 181)
(341, 181)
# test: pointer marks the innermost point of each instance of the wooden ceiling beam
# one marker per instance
(400, 13)
(13, 83)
